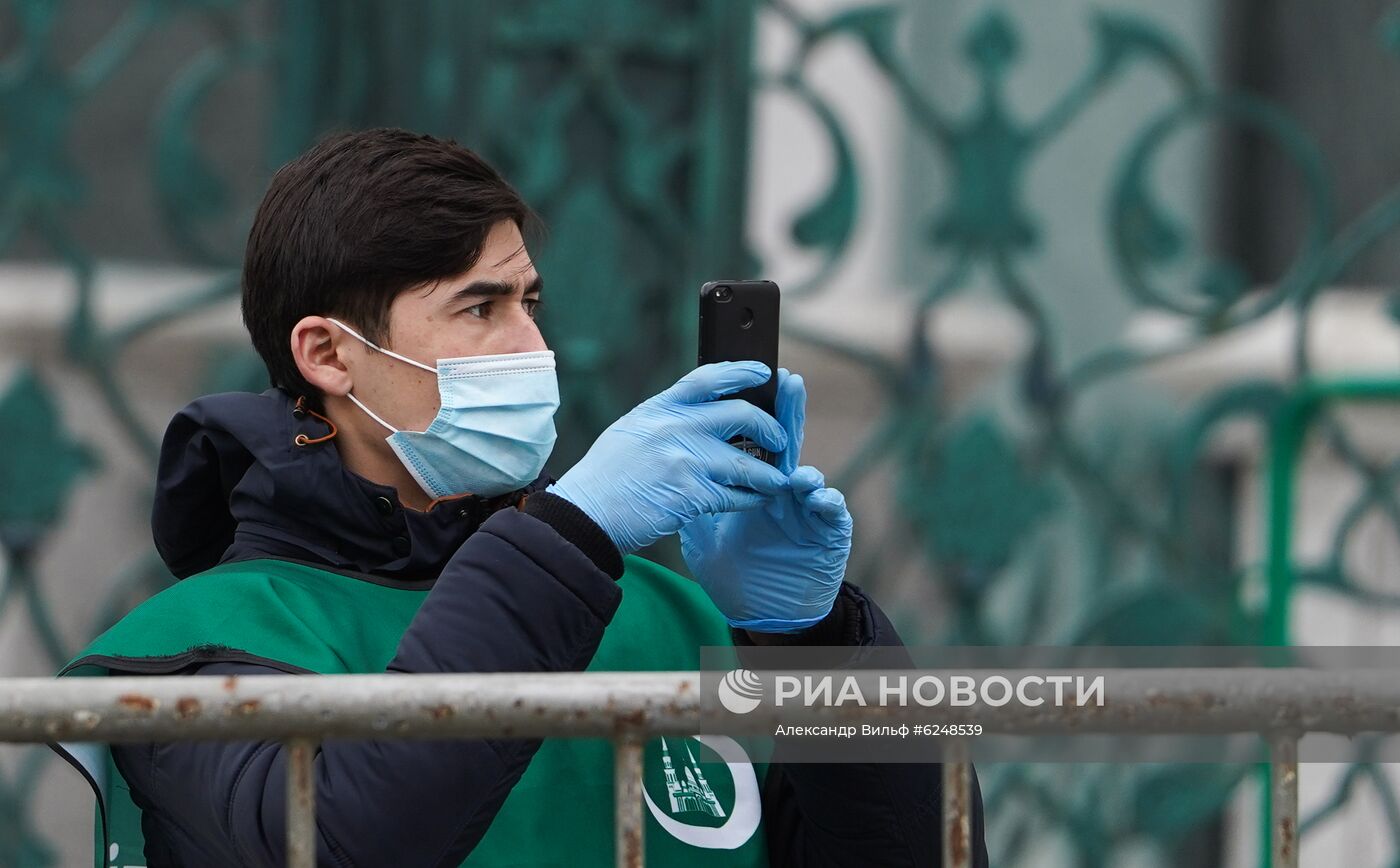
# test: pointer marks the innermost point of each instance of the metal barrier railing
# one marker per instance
(628, 708)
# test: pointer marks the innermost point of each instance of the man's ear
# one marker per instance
(317, 347)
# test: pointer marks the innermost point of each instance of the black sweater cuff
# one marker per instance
(574, 525)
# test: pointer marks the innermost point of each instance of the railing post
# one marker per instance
(1284, 802)
(957, 806)
(627, 801)
(301, 803)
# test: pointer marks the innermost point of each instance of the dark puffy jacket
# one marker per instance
(517, 590)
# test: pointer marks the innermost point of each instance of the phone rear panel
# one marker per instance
(742, 327)
(739, 322)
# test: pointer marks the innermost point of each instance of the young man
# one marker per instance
(388, 289)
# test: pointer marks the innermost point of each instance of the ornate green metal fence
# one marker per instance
(980, 485)
(1049, 509)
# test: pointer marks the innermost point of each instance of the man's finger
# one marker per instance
(829, 505)
(716, 380)
(806, 479)
(737, 418)
(732, 467)
(726, 498)
(791, 411)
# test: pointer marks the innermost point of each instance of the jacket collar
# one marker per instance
(233, 483)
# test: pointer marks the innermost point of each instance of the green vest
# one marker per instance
(701, 810)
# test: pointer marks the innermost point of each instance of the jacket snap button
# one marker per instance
(384, 505)
(400, 545)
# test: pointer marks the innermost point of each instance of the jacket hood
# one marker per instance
(233, 484)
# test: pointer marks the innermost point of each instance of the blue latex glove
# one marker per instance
(667, 461)
(776, 569)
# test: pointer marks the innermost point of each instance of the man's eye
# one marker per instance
(482, 310)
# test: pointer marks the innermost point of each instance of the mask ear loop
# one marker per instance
(370, 413)
(302, 439)
(367, 342)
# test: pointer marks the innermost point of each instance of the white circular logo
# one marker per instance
(740, 691)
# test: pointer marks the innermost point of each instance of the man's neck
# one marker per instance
(373, 460)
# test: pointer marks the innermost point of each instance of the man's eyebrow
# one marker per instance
(495, 287)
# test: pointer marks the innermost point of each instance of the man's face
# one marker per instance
(487, 310)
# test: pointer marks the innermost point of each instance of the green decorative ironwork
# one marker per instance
(1153, 540)
(38, 468)
(1309, 409)
(623, 122)
(635, 156)
(957, 490)
(42, 461)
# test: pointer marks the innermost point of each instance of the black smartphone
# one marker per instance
(739, 322)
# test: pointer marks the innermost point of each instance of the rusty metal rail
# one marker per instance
(628, 708)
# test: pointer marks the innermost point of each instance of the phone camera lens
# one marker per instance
(723, 293)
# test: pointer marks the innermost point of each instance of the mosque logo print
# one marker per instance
(711, 805)
(692, 793)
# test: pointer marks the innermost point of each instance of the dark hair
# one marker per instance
(356, 220)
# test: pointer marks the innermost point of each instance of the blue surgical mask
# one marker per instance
(494, 430)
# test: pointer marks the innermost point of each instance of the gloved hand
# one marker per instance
(667, 461)
(776, 569)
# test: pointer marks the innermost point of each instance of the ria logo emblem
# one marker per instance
(740, 691)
